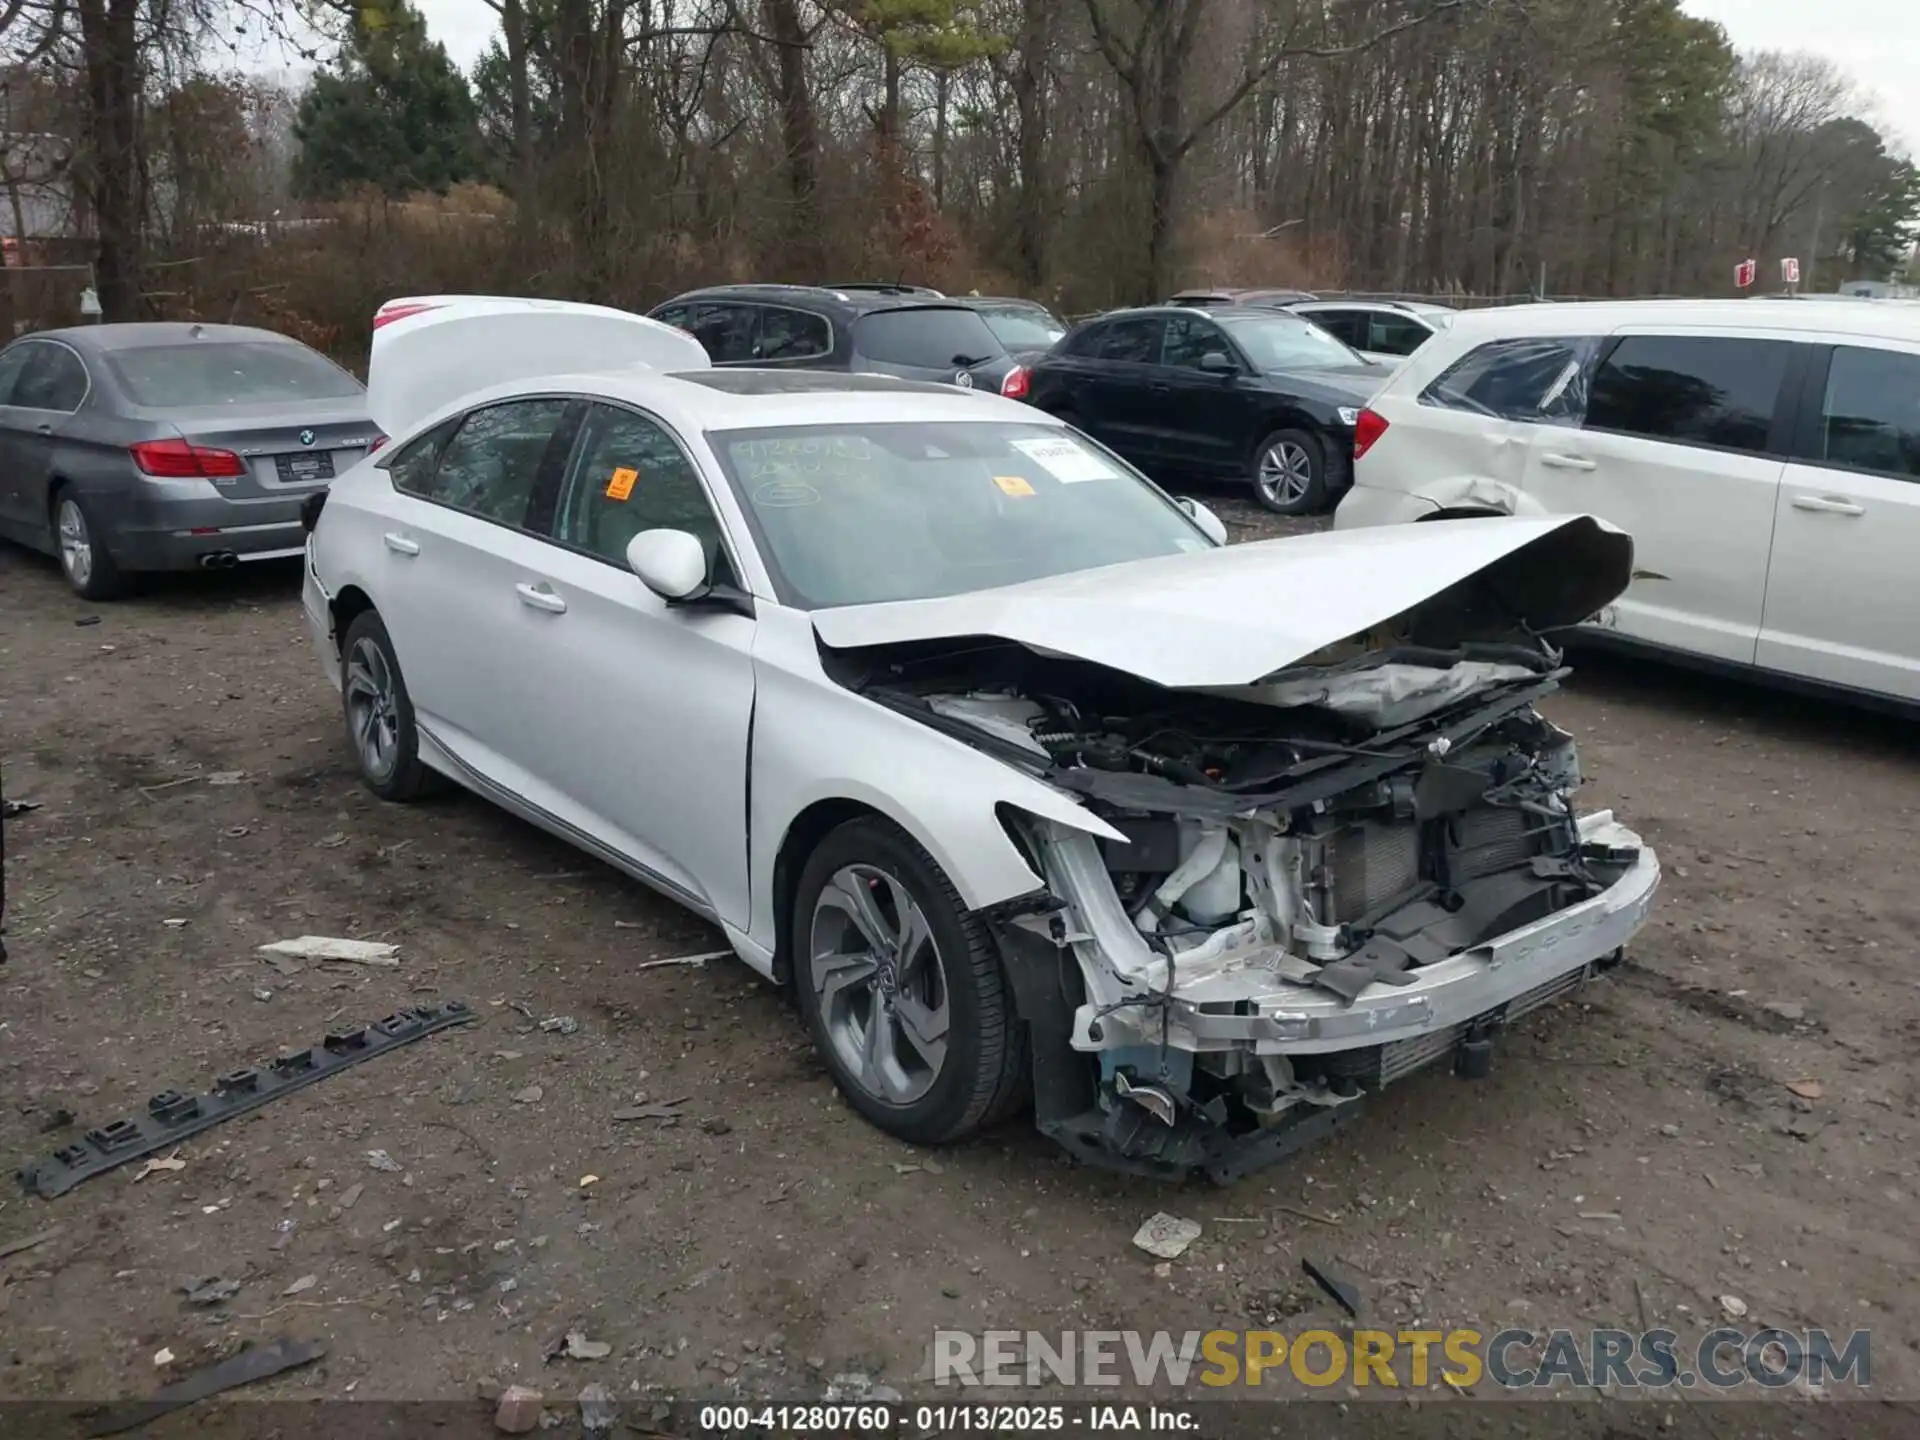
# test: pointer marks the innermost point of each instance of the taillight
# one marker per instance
(390, 313)
(373, 445)
(178, 460)
(1015, 386)
(1368, 428)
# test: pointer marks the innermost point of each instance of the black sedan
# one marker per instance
(1241, 393)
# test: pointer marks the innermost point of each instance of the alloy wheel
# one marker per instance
(876, 971)
(1286, 473)
(76, 544)
(372, 714)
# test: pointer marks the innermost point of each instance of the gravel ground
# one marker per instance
(767, 1240)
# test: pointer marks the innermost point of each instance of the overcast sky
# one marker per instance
(1876, 41)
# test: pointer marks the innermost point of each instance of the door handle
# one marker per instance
(540, 597)
(400, 544)
(43, 428)
(1827, 505)
(1161, 387)
(1567, 462)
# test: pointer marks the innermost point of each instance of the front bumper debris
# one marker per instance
(1243, 1009)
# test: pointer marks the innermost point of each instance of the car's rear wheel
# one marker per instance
(84, 558)
(902, 989)
(379, 713)
(1290, 472)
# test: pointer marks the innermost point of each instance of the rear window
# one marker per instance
(932, 339)
(1541, 379)
(241, 372)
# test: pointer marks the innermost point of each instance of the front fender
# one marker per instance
(814, 741)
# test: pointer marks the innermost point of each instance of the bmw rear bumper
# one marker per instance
(183, 524)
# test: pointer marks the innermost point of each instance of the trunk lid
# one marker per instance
(286, 448)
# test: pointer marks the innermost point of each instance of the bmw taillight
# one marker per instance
(1368, 428)
(390, 313)
(1015, 386)
(179, 460)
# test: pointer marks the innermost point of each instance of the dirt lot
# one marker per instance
(768, 1240)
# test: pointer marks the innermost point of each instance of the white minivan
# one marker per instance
(1765, 459)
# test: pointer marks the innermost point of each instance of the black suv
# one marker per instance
(882, 331)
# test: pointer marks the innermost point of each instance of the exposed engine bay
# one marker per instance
(1300, 854)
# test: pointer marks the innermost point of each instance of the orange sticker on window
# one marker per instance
(1013, 484)
(622, 483)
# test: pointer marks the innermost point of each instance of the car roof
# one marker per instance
(819, 297)
(1824, 315)
(744, 398)
(136, 335)
(1247, 295)
(1019, 300)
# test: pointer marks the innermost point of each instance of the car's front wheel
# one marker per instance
(84, 558)
(1290, 472)
(902, 989)
(379, 713)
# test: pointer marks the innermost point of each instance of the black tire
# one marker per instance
(402, 777)
(1289, 472)
(983, 1072)
(91, 570)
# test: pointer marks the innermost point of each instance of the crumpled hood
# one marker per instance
(1347, 386)
(1235, 615)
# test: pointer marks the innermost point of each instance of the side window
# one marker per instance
(1690, 389)
(12, 361)
(793, 335)
(1189, 338)
(1087, 341)
(1871, 418)
(52, 379)
(411, 471)
(728, 332)
(489, 466)
(1136, 340)
(629, 475)
(1389, 334)
(674, 315)
(1539, 380)
(1349, 326)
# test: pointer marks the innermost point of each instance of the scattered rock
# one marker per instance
(211, 1291)
(598, 1413)
(529, 1096)
(579, 1347)
(487, 1388)
(381, 1160)
(302, 1285)
(518, 1412)
(1807, 1089)
(715, 1125)
(1672, 1132)
(1166, 1237)
(1786, 1009)
(1734, 1307)
(560, 1025)
(163, 1357)
(350, 1196)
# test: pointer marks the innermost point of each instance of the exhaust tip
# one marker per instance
(219, 560)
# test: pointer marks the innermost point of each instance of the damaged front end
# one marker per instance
(1362, 865)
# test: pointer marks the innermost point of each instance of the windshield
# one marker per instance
(243, 372)
(1286, 342)
(1019, 328)
(854, 514)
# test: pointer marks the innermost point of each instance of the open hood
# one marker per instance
(430, 351)
(1234, 616)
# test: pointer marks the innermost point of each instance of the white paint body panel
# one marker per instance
(1740, 558)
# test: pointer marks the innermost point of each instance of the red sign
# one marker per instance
(1790, 272)
(1744, 273)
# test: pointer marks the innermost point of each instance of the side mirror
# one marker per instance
(670, 563)
(1214, 363)
(1210, 524)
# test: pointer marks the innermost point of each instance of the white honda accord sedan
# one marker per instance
(1023, 781)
